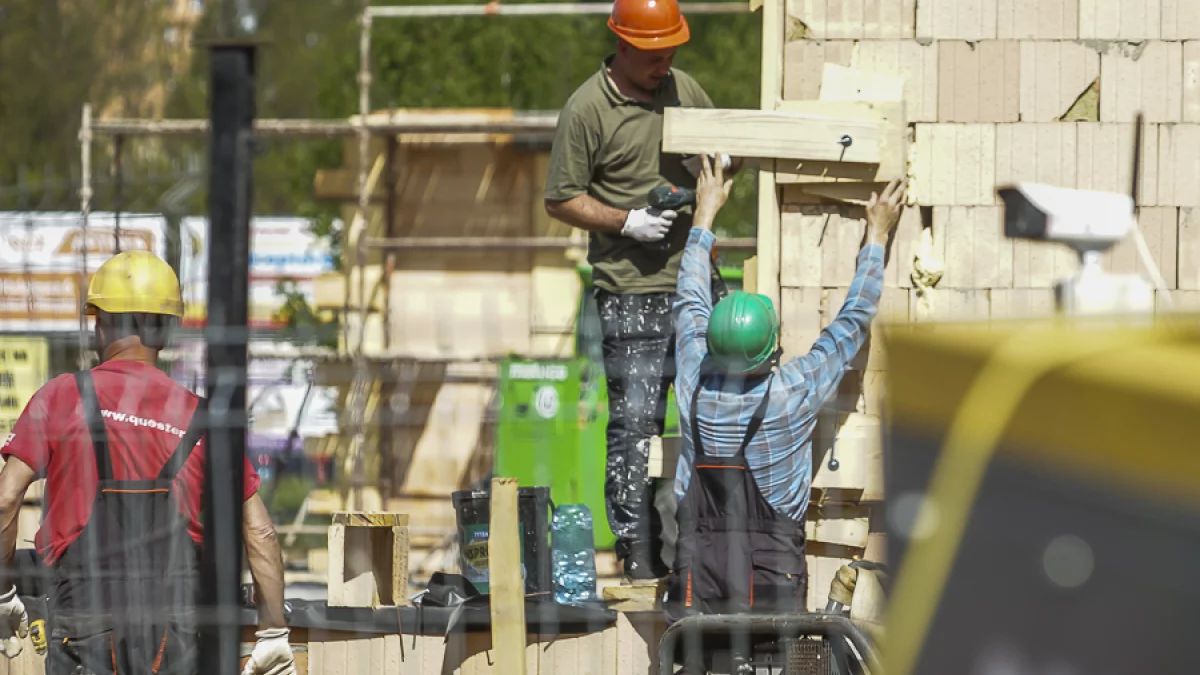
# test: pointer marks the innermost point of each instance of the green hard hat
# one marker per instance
(743, 332)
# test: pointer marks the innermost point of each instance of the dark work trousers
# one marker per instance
(639, 366)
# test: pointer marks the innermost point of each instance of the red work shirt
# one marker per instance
(145, 413)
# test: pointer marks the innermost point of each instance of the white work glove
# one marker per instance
(272, 654)
(14, 623)
(648, 224)
(692, 164)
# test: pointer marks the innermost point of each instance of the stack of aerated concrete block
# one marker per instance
(996, 91)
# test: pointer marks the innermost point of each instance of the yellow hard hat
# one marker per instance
(135, 281)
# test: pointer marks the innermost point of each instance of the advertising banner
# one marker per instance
(23, 369)
(42, 284)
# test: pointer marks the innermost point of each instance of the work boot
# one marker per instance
(644, 564)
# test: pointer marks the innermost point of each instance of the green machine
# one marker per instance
(553, 413)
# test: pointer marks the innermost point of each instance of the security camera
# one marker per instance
(1091, 223)
(1085, 220)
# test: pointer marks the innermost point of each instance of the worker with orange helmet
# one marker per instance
(606, 159)
(121, 447)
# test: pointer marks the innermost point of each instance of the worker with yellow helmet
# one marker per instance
(122, 452)
(606, 158)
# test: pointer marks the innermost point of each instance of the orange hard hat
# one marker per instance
(649, 24)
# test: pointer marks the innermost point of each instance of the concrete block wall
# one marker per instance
(996, 91)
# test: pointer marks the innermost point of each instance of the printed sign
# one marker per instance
(23, 368)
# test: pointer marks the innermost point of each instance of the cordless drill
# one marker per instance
(672, 197)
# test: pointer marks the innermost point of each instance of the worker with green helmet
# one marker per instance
(121, 447)
(743, 477)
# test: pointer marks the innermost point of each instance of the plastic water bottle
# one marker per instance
(574, 554)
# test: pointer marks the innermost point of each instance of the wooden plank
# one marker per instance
(1160, 228)
(914, 63)
(979, 82)
(1120, 19)
(859, 455)
(1145, 78)
(975, 250)
(955, 165)
(639, 598)
(770, 134)
(505, 582)
(449, 440)
(750, 274)
(771, 90)
(1180, 20)
(1053, 76)
(1038, 20)
(839, 524)
(893, 150)
(769, 251)
(361, 519)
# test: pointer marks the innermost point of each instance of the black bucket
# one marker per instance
(473, 512)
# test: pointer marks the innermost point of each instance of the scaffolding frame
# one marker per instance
(537, 125)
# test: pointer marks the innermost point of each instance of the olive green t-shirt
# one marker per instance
(609, 146)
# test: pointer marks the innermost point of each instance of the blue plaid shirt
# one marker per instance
(780, 454)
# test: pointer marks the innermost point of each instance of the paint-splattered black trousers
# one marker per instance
(639, 366)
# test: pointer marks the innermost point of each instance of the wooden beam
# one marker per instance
(771, 92)
(893, 149)
(504, 578)
(397, 123)
(771, 134)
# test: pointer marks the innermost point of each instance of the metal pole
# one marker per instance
(230, 185)
(118, 147)
(85, 206)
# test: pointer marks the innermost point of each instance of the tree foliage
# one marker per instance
(57, 54)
